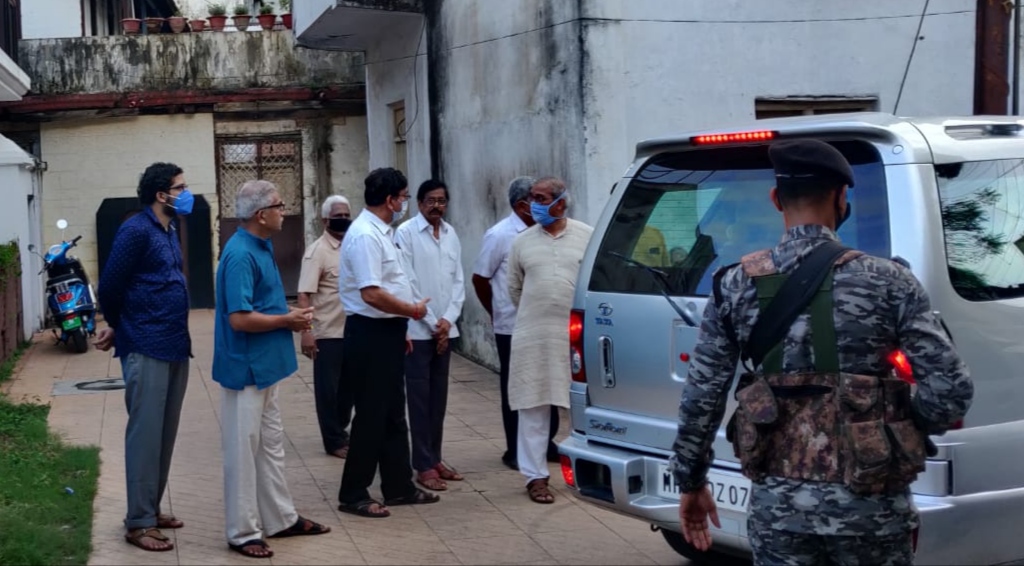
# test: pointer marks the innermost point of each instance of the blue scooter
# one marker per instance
(69, 295)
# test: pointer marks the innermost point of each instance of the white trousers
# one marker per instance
(256, 498)
(532, 443)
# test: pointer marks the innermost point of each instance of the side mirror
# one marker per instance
(62, 224)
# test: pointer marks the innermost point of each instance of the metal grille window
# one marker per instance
(278, 160)
(10, 27)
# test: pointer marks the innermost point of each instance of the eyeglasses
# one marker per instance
(178, 188)
(436, 202)
(279, 206)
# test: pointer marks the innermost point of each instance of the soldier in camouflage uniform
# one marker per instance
(878, 306)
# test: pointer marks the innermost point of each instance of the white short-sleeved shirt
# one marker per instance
(369, 258)
(434, 267)
(492, 263)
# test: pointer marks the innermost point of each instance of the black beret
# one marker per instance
(809, 160)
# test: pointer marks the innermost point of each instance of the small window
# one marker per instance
(688, 213)
(807, 106)
(983, 223)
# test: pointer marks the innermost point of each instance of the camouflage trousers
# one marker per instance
(781, 548)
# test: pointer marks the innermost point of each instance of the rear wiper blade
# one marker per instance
(663, 286)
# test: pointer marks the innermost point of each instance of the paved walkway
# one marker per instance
(486, 519)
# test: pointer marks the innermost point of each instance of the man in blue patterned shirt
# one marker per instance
(144, 298)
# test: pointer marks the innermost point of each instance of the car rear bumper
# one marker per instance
(971, 529)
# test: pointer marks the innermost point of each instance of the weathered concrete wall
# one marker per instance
(92, 160)
(509, 105)
(658, 67)
(334, 156)
(201, 61)
(51, 18)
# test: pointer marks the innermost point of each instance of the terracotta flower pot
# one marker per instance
(267, 21)
(153, 25)
(241, 22)
(131, 26)
(286, 19)
(217, 23)
(177, 24)
(197, 25)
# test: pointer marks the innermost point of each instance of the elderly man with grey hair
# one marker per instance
(542, 270)
(490, 281)
(252, 353)
(324, 343)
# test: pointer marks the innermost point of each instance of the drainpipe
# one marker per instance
(1016, 58)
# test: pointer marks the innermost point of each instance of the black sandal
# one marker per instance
(241, 548)
(362, 508)
(418, 497)
(302, 527)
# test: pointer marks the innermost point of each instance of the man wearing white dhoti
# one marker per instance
(543, 266)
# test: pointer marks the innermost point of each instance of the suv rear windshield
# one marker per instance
(983, 222)
(686, 213)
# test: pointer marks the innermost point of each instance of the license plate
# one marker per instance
(730, 492)
(72, 323)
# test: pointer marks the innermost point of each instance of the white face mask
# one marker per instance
(396, 216)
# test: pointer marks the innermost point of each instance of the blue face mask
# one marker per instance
(183, 202)
(541, 213)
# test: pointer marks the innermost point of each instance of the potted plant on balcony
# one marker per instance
(197, 25)
(218, 17)
(177, 22)
(153, 24)
(131, 26)
(286, 16)
(267, 17)
(242, 17)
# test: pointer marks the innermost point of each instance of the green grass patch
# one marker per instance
(41, 520)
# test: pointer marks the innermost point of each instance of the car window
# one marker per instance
(982, 209)
(687, 213)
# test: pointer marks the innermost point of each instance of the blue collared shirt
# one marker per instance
(248, 281)
(143, 293)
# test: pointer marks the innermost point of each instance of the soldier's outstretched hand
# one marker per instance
(694, 510)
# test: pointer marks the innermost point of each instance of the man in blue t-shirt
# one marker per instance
(144, 298)
(252, 352)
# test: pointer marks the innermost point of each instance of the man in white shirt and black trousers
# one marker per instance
(377, 296)
(432, 257)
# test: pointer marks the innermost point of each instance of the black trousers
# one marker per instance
(374, 366)
(510, 418)
(426, 385)
(333, 395)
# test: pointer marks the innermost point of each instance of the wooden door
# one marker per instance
(277, 159)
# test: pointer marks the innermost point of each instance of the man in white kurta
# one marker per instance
(543, 267)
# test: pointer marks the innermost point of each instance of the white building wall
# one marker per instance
(19, 221)
(92, 160)
(51, 18)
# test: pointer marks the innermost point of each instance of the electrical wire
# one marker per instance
(910, 59)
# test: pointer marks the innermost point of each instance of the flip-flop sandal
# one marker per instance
(431, 479)
(362, 509)
(302, 527)
(135, 537)
(539, 492)
(420, 497)
(447, 473)
(168, 522)
(241, 548)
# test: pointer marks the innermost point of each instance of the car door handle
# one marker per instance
(607, 361)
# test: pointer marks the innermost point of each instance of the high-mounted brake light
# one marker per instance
(579, 373)
(737, 137)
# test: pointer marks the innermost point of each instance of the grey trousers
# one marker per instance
(154, 393)
(426, 388)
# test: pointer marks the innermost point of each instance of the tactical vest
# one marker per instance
(825, 425)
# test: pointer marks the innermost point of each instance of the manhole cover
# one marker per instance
(81, 386)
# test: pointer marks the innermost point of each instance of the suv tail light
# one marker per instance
(901, 365)
(579, 372)
(567, 474)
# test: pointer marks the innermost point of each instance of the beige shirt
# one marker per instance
(319, 278)
(542, 271)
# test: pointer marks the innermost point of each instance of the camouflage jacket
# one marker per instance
(879, 306)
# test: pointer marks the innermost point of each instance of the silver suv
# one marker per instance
(946, 194)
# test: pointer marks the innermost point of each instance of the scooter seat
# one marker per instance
(66, 278)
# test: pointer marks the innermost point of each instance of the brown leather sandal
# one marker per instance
(138, 537)
(539, 492)
(447, 473)
(164, 521)
(431, 480)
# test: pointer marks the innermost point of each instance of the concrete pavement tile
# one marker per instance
(562, 515)
(590, 546)
(499, 550)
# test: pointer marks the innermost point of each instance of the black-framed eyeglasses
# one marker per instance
(436, 201)
(279, 206)
(181, 187)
